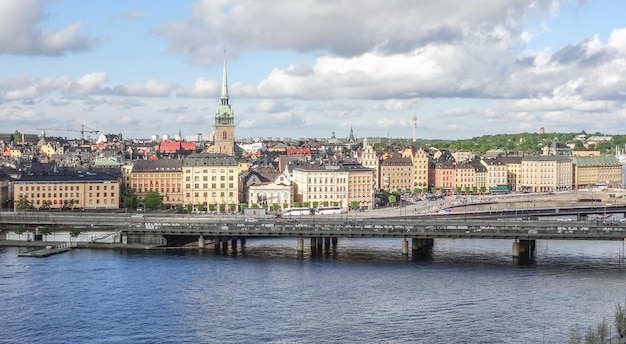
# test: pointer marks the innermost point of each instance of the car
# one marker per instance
(251, 220)
(280, 221)
(564, 219)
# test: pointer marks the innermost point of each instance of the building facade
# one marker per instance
(164, 176)
(210, 180)
(57, 191)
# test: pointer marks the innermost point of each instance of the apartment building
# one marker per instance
(396, 173)
(164, 176)
(420, 159)
(465, 178)
(58, 191)
(589, 171)
(496, 174)
(546, 173)
(370, 159)
(342, 185)
(210, 179)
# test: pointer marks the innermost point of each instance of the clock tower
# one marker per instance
(224, 137)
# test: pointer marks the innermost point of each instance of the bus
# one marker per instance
(296, 211)
(328, 210)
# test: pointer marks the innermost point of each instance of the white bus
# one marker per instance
(328, 210)
(296, 211)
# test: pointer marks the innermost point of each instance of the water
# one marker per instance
(366, 291)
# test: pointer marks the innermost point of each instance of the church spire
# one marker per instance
(224, 97)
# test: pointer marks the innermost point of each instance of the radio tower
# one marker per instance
(414, 127)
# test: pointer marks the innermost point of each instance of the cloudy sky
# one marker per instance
(301, 68)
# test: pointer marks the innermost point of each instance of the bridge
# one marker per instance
(523, 228)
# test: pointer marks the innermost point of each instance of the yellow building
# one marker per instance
(546, 173)
(369, 158)
(396, 173)
(163, 176)
(347, 185)
(86, 191)
(590, 171)
(420, 159)
(211, 180)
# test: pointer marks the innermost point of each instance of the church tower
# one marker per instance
(224, 139)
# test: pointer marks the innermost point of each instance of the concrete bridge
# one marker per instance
(324, 231)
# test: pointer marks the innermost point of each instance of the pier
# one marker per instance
(47, 251)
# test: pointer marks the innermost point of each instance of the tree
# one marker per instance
(44, 231)
(153, 200)
(602, 331)
(74, 233)
(575, 336)
(619, 320)
(23, 203)
(129, 198)
(19, 231)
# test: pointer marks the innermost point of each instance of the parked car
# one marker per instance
(564, 219)
(251, 220)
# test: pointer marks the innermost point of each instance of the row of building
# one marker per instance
(225, 175)
(208, 180)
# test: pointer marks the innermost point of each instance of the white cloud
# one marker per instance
(87, 84)
(344, 28)
(152, 88)
(270, 105)
(21, 34)
(202, 88)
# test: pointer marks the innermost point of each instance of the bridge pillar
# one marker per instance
(243, 244)
(300, 245)
(320, 241)
(225, 245)
(405, 247)
(201, 242)
(524, 249)
(313, 243)
(422, 246)
(217, 243)
(334, 241)
(327, 243)
(233, 244)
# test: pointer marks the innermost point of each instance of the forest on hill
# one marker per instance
(527, 143)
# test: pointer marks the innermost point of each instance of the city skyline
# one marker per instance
(312, 69)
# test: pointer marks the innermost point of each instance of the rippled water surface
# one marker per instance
(470, 291)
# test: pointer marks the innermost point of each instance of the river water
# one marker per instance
(365, 291)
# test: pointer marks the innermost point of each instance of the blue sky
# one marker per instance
(466, 69)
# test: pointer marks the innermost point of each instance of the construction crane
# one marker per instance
(83, 129)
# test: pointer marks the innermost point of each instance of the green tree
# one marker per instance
(575, 336)
(354, 205)
(74, 233)
(201, 207)
(619, 320)
(129, 198)
(19, 231)
(23, 203)
(602, 331)
(45, 231)
(242, 207)
(153, 200)
(316, 204)
(189, 207)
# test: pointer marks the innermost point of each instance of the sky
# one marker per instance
(300, 69)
